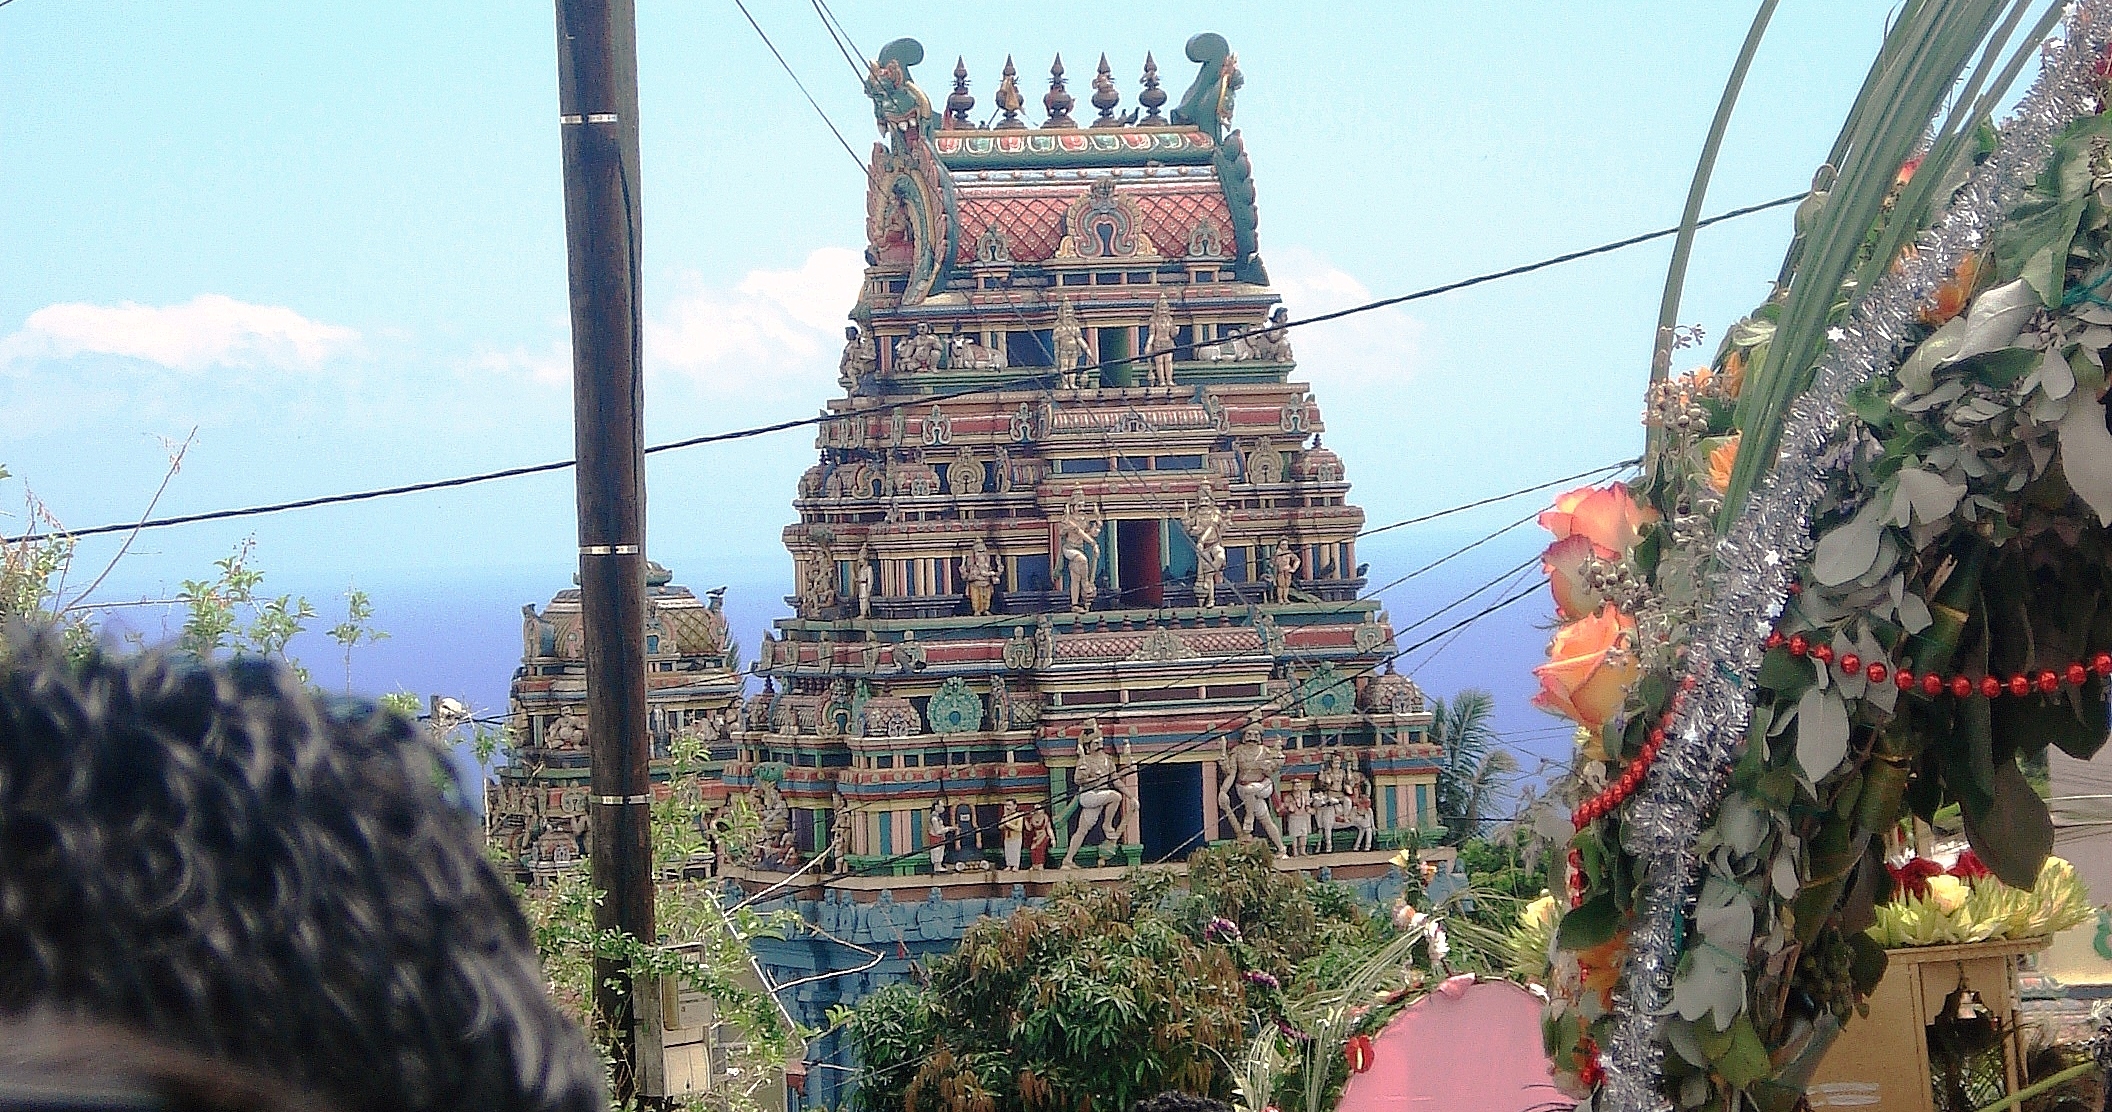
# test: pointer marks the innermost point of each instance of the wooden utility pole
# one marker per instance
(597, 79)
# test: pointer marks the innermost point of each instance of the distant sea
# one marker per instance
(457, 632)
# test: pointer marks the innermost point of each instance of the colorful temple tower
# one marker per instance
(536, 808)
(1071, 507)
(1077, 583)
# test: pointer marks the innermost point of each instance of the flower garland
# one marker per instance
(1780, 685)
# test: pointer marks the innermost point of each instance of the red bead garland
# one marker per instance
(2045, 681)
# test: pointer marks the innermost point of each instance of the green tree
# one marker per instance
(1107, 995)
(357, 629)
(1472, 764)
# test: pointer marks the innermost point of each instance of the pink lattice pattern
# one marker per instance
(1032, 219)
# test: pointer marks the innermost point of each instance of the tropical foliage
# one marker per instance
(1114, 993)
(1472, 764)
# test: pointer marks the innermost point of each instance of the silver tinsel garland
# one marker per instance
(1758, 559)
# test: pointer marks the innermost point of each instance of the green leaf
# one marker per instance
(1785, 674)
(1867, 967)
(1745, 1060)
(1822, 733)
(2001, 368)
(1592, 924)
(1848, 550)
(2013, 833)
(2086, 454)
(2079, 731)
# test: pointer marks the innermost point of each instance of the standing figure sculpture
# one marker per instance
(979, 572)
(1078, 541)
(820, 595)
(1250, 769)
(1070, 344)
(1283, 564)
(1159, 343)
(938, 829)
(1040, 836)
(1014, 825)
(839, 833)
(859, 359)
(1298, 819)
(1206, 526)
(865, 582)
(1103, 791)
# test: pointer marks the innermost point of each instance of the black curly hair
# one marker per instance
(217, 858)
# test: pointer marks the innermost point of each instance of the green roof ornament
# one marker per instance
(1208, 102)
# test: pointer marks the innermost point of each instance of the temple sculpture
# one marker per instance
(535, 809)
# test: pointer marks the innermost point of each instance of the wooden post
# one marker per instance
(597, 71)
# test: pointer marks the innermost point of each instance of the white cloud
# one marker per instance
(210, 330)
(773, 335)
(552, 367)
(1379, 349)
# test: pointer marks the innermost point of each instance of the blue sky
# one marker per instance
(333, 243)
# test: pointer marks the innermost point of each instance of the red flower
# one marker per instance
(1589, 1071)
(1912, 877)
(1969, 867)
(1358, 1052)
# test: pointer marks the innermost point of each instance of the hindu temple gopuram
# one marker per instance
(1076, 582)
(536, 809)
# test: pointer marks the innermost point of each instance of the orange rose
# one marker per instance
(1589, 669)
(1607, 515)
(1721, 459)
(1601, 967)
(1951, 297)
(1563, 564)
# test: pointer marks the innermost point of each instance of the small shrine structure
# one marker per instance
(1077, 584)
(536, 808)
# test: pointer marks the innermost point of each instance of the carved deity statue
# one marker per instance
(1250, 770)
(1040, 836)
(1283, 564)
(1298, 818)
(1014, 824)
(566, 733)
(820, 592)
(1273, 343)
(1078, 542)
(859, 359)
(1160, 343)
(1103, 790)
(938, 827)
(979, 572)
(1205, 525)
(840, 821)
(922, 350)
(865, 582)
(1070, 343)
(531, 631)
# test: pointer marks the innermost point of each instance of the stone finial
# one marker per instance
(1057, 101)
(1105, 98)
(1008, 99)
(1153, 97)
(960, 101)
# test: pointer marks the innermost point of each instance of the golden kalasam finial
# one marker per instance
(1008, 99)
(1153, 97)
(1105, 98)
(960, 101)
(1057, 101)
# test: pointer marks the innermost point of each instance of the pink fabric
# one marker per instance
(1470, 1047)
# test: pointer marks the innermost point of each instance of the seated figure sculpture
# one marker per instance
(218, 861)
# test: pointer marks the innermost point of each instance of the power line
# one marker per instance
(855, 160)
(1501, 497)
(827, 17)
(884, 407)
(1223, 729)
